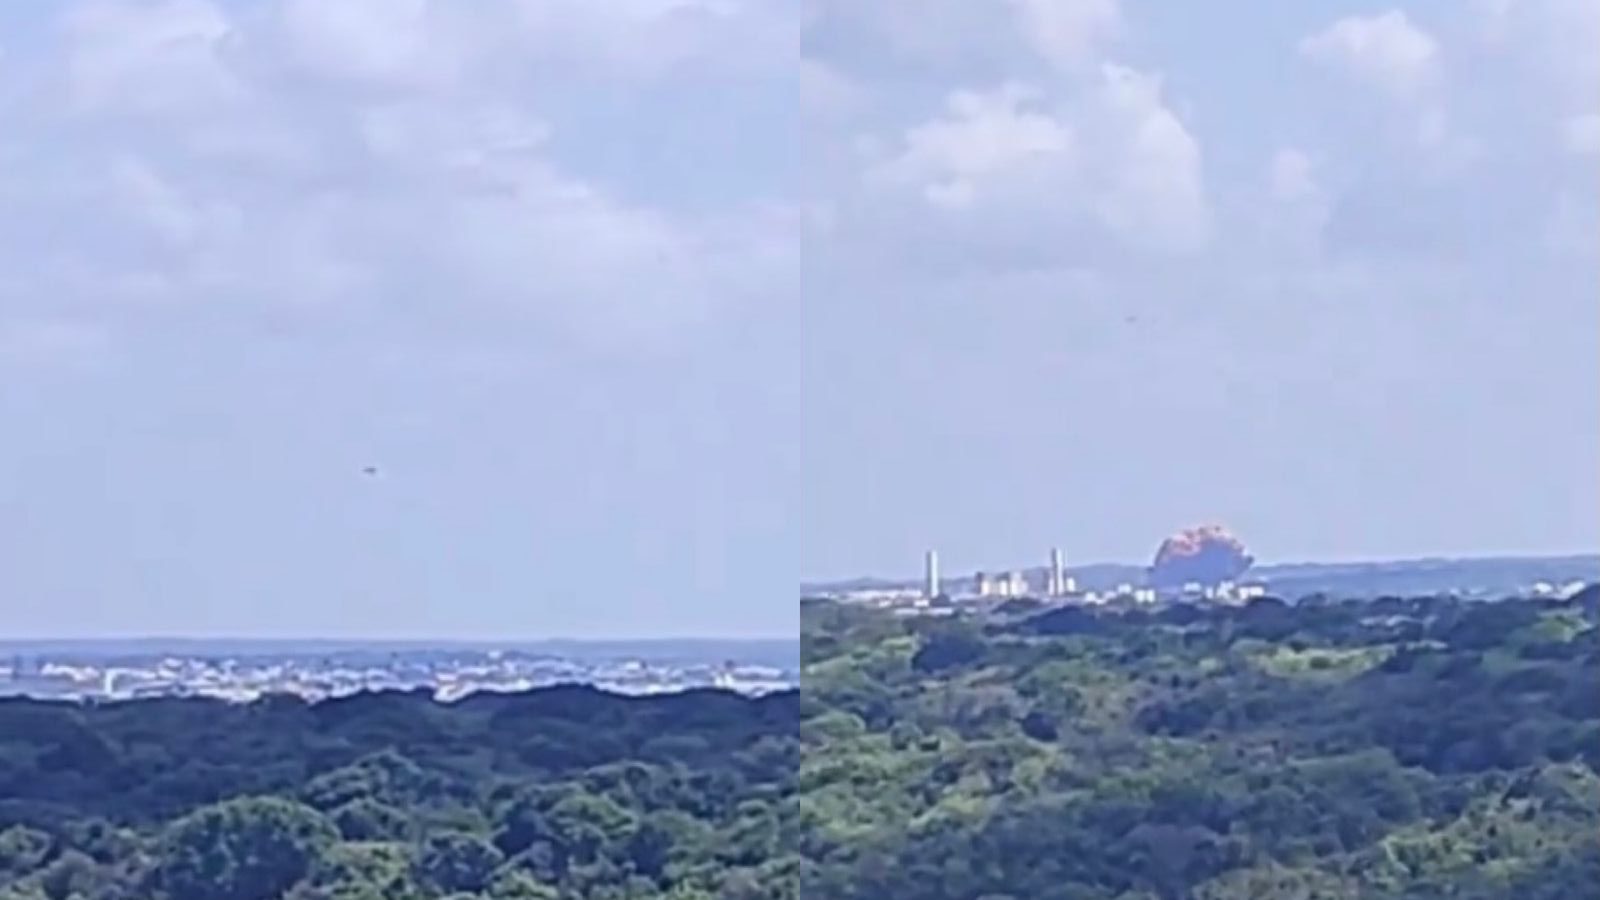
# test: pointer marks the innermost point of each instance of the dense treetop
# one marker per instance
(1395, 748)
(559, 794)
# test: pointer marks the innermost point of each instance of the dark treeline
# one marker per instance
(562, 794)
(1394, 748)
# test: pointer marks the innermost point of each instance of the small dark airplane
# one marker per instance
(369, 470)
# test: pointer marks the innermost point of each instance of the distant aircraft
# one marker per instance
(369, 470)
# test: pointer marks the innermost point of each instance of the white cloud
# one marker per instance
(947, 35)
(1582, 134)
(495, 214)
(387, 42)
(1114, 154)
(162, 57)
(150, 198)
(1556, 38)
(169, 234)
(981, 139)
(1289, 226)
(1342, 204)
(1290, 175)
(1403, 62)
(369, 152)
(650, 38)
(1068, 32)
(826, 92)
(1446, 151)
(438, 43)
(1155, 189)
(1385, 50)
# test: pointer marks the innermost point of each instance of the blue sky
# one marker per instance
(645, 309)
(1081, 272)
(536, 261)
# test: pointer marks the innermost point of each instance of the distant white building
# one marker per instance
(981, 586)
(1016, 585)
(1011, 584)
(879, 596)
(1057, 583)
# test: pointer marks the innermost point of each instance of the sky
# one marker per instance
(643, 311)
(1079, 273)
(536, 261)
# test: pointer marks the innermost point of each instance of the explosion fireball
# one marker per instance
(1207, 555)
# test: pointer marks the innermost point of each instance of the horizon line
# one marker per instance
(10, 641)
(1279, 563)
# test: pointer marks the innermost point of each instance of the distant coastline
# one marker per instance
(549, 696)
(1424, 573)
(243, 670)
(568, 648)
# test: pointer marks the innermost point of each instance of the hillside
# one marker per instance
(564, 793)
(1364, 749)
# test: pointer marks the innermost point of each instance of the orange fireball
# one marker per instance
(1207, 555)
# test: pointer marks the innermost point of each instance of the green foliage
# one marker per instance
(559, 794)
(246, 849)
(454, 862)
(1399, 748)
(23, 850)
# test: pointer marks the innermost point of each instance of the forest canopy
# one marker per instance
(1394, 748)
(1415, 748)
(565, 793)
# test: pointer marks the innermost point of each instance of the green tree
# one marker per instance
(453, 861)
(246, 849)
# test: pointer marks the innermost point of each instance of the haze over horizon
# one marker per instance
(958, 569)
(379, 639)
(532, 263)
(571, 318)
(1079, 280)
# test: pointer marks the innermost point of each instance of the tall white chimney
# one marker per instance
(930, 586)
(1058, 573)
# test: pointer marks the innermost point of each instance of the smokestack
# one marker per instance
(931, 575)
(1058, 573)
